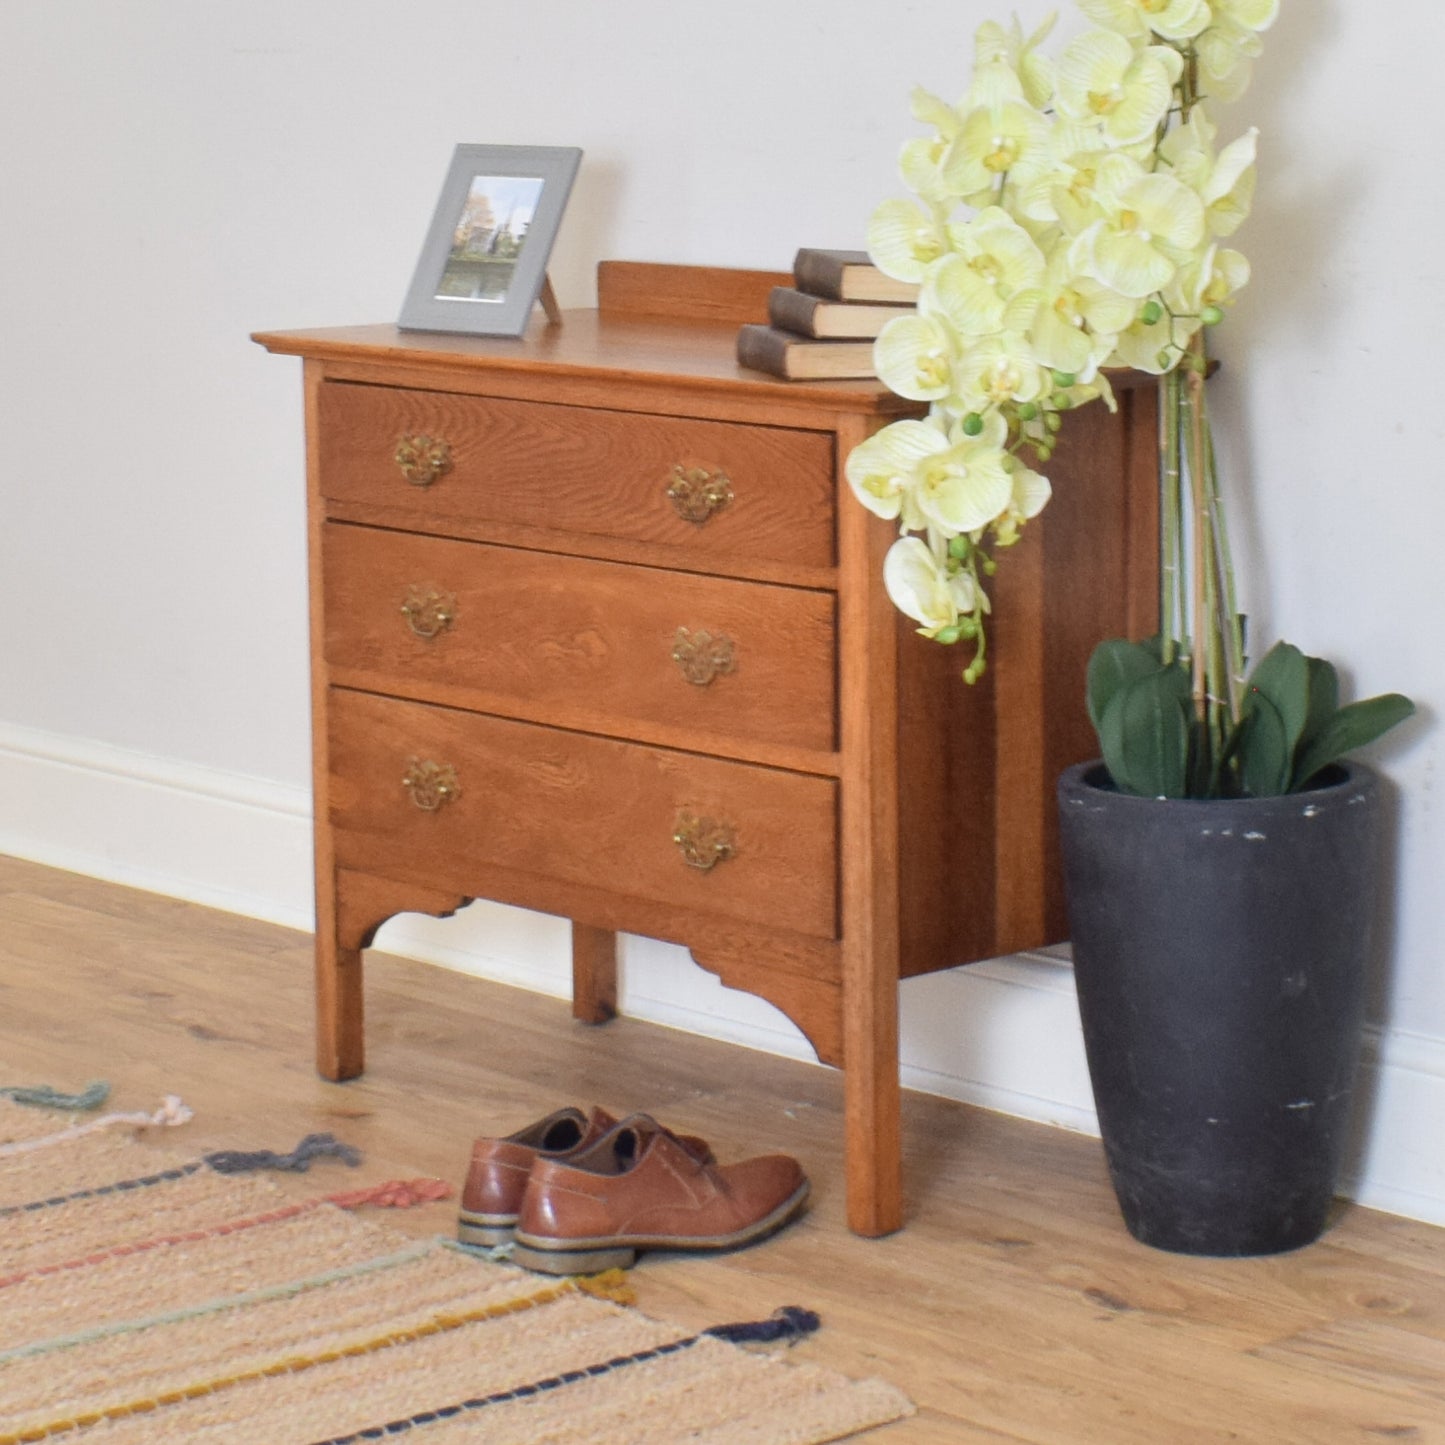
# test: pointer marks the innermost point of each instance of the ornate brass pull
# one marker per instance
(703, 842)
(423, 459)
(428, 612)
(703, 655)
(696, 493)
(431, 785)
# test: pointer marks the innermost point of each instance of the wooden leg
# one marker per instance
(340, 1027)
(594, 974)
(873, 1151)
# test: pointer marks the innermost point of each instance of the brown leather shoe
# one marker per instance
(497, 1175)
(637, 1188)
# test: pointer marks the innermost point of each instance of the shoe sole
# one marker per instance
(592, 1256)
(485, 1230)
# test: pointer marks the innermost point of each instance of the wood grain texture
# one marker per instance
(693, 363)
(980, 875)
(594, 974)
(869, 878)
(1014, 1307)
(580, 809)
(685, 293)
(540, 636)
(579, 469)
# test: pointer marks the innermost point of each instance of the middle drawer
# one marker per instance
(506, 629)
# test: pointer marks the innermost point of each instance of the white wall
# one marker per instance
(177, 173)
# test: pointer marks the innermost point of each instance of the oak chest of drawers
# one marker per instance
(596, 629)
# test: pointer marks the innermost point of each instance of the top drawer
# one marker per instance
(709, 488)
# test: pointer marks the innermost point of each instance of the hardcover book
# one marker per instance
(847, 276)
(795, 310)
(801, 358)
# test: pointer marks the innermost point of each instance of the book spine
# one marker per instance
(793, 310)
(820, 273)
(763, 349)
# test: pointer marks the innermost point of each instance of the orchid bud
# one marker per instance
(958, 547)
(1150, 312)
(948, 635)
(1028, 411)
(1064, 378)
(1052, 421)
(973, 671)
(1211, 316)
(972, 424)
(967, 628)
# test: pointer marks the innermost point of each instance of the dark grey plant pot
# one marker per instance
(1220, 951)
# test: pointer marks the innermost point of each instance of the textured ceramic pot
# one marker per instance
(1220, 951)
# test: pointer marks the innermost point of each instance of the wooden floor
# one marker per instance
(1013, 1306)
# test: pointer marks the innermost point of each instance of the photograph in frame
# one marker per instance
(485, 257)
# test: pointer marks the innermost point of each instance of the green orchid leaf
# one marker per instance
(1351, 727)
(1324, 702)
(1283, 678)
(1265, 750)
(1112, 664)
(1144, 734)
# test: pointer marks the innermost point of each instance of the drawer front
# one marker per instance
(713, 489)
(516, 628)
(430, 794)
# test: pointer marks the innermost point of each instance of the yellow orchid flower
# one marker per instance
(999, 369)
(964, 487)
(920, 161)
(1214, 279)
(914, 357)
(1127, 92)
(1225, 53)
(1031, 493)
(1149, 221)
(1224, 182)
(883, 471)
(1007, 66)
(994, 259)
(997, 143)
(921, 586)
(1137, 19)
(904, 240)
(1075, 320)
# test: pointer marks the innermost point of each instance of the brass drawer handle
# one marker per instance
(696, 493)
(703, 655)
(703, 842)
(431, 785)
(427, 611)
(423, 459)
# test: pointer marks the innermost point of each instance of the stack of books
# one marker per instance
(824, 324)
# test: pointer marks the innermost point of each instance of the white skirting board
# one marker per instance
(1003, 1035)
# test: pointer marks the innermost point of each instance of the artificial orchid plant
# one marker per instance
(1070, 217)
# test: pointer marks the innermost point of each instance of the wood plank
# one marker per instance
(686, 293)
(870, 844)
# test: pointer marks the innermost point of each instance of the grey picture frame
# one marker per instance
(484, 260)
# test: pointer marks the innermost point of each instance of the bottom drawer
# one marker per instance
(428, 792)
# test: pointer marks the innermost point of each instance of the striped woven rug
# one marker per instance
(147, 1297)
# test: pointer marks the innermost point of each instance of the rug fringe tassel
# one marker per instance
(394, 1194)
(313, 1146)
(787, 1325)
(611, 1285)
(43, 1096)
(171, 1113)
